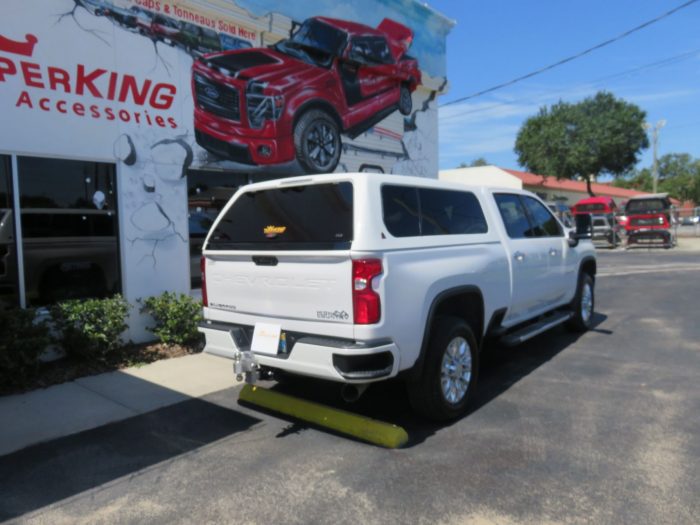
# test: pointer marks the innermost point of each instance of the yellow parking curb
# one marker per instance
(364, 428)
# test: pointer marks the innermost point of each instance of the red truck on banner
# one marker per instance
(294, 100)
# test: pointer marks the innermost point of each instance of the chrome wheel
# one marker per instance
(456, 370)
(321, 144)
(586, 303)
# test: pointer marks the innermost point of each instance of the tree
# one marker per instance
(679, 176)
(479, 161)
(639, 180)
(601, 134)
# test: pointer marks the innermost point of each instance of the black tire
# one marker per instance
(583, 316)
(317, 142)
(405, 100)
(427, 394)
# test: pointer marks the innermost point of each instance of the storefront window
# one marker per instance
(9, 284)
(69, 229)
(207, 193)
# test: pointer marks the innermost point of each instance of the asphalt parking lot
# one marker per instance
(603, 428)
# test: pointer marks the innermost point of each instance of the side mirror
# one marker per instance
(584, 229)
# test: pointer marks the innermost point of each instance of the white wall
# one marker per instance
(482, 176)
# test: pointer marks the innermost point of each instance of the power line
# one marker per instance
(573, 57)
(651, 65)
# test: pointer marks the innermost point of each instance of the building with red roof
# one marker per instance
(547, 188)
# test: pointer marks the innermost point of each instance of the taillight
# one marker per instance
(203, 267)
(366, 305)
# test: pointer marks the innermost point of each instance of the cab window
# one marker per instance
(514, 216)
(544, 223)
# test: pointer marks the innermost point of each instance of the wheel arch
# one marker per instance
(320, 104)
(588, 266)
(465, 302)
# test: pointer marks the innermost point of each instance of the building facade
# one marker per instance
(127, 124)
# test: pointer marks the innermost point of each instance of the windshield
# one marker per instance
(315, 43)
(646, 205)
(590, 207)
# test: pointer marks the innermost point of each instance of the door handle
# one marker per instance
(553, 252)
(519, 256)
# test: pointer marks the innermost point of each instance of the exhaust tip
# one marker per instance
(351, 393)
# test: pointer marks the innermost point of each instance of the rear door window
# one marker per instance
(313, 217)
(412, 212)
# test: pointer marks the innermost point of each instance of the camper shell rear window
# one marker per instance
(311, 217)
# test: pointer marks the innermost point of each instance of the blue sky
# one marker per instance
(497, 40)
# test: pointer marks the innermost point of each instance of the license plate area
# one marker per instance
(269, 339)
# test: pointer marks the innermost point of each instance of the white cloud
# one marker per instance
(488, 128)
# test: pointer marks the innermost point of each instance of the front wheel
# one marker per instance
(583, 305)
(317, 142)
(449, 373)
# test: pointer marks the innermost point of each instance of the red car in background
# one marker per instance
(296, 98)
(603, 211)
(649, 220)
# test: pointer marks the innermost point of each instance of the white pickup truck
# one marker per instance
(358, 278)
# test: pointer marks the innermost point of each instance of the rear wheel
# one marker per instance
(583, 305)
(449, 372)
(317, 142)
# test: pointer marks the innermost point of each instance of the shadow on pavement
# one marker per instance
(501, 368)
(46, 473)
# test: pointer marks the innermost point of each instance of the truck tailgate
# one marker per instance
(279, 285)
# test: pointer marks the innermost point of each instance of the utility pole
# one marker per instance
(655, 140)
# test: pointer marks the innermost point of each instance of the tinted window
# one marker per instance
(400, 209)
(646, 205)
(9, 285)
(545, 223)
(590, 207)
(445, 212)
(514, 216)
(79, 223)
(315, 217)
(207, 194)
(373, 49)
(70, 229)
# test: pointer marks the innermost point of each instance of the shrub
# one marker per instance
(91, 328)
(22, 340)
(176, 317)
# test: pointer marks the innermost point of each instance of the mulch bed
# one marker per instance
(66, 369)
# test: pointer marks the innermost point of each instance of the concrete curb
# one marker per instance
(90, 402)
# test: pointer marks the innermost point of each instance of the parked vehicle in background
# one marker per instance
(144, 18)
(198, 40)
(164, 28)
(294, 100)
(650, 220)
(68, 253)
(123, 17)
(231, 43)
(691, 220)
(563, 213)
(603, 211)
(358, 278)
